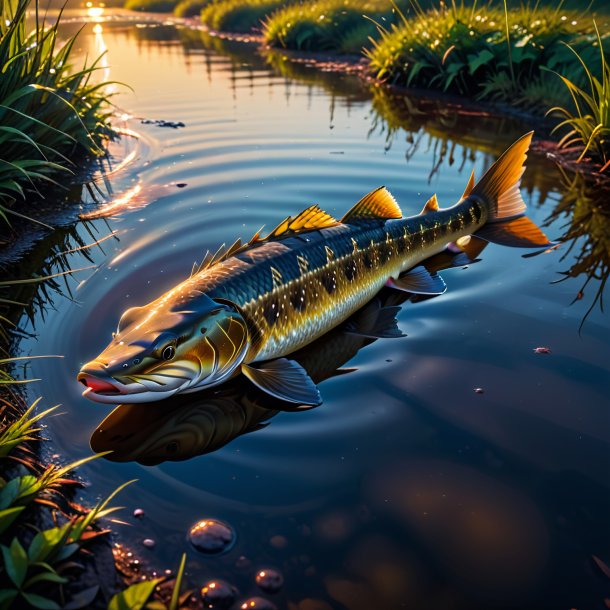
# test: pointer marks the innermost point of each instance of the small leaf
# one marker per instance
(15, 561)
(134, 597)
(38, 601)
(8, 595)
(8, 515)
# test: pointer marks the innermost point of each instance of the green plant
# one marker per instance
(588, 121)
(327, 25)
(483, 51)
(139, 595)
(238, 15)
(152, 6)
(190, 8)
(50, 114)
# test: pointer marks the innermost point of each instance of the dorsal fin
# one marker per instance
(310, 219)
(378, 204)
(469, 186)
(431, 205)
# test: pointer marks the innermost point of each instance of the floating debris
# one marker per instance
(211, 536)
(218, 594)
(258, 603)
(269, 580)
(542, 350)
(181, 185)
(163, 123)
(138, 513)
(479, 391)
(149, 543)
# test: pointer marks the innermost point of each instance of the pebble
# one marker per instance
(211, 536)
(269, 580)
(258, 603)
(218, 594)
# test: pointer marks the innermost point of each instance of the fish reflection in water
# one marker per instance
(186, 426)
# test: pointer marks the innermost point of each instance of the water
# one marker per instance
(405, 488)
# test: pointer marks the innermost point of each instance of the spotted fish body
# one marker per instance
(247, 307)
(296, 289)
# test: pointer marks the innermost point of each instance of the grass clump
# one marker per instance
(190, 8)
(151, 6)
(239, 16)
(588, 118)
(485, 52)
(50, 114)
(327, 25)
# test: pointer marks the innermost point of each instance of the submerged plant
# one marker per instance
(50, 113)
(588, 120)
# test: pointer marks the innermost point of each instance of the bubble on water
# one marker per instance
(218, 594)
(257, 603)
(269, 580)
(138, 512)
(211, 536)
(148, 542)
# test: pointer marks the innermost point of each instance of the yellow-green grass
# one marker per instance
(51, 114)
(151, 6)
(239, 16)
(488, 52)
(345, 26)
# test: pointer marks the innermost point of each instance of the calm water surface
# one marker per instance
(405, 489)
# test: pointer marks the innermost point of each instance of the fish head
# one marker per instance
(159, 351)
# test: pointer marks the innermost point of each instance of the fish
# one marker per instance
(246, 308)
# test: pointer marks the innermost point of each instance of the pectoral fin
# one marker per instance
(419, 281)
(284, 379)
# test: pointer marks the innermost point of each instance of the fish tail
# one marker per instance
(499, 191)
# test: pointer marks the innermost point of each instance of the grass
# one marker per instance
(151, 6)
(239, 16)
(588, 119)
(485, 52)
(327, 25)
(190, 8)
(51, 115)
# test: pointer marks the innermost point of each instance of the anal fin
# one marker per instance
(518, 233)
(375, 322)
(284, 379)
(419, 281)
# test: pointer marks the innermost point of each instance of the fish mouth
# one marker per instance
(99, 386)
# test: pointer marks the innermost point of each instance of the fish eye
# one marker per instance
(136, 361)
(204, 330)
(168, 352)
(125, 365)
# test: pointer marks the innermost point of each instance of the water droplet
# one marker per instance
(269, 580)
(148, 543)
(258, 603)
(479, 390)
(211, 536)
(138, 513)
(218, 594)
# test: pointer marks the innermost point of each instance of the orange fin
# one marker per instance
(469, 186)
(431, 205)
(378, 204)
(310, 219)
(518, 233)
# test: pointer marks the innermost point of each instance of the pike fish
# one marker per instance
(247, 307)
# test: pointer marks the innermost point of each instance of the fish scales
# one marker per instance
(296, 289)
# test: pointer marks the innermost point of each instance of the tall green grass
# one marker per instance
(239, 16)
(486, 52)
(588, 118)
(327, 25)
(51, 114)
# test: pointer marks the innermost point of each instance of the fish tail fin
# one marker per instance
(500, 192)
